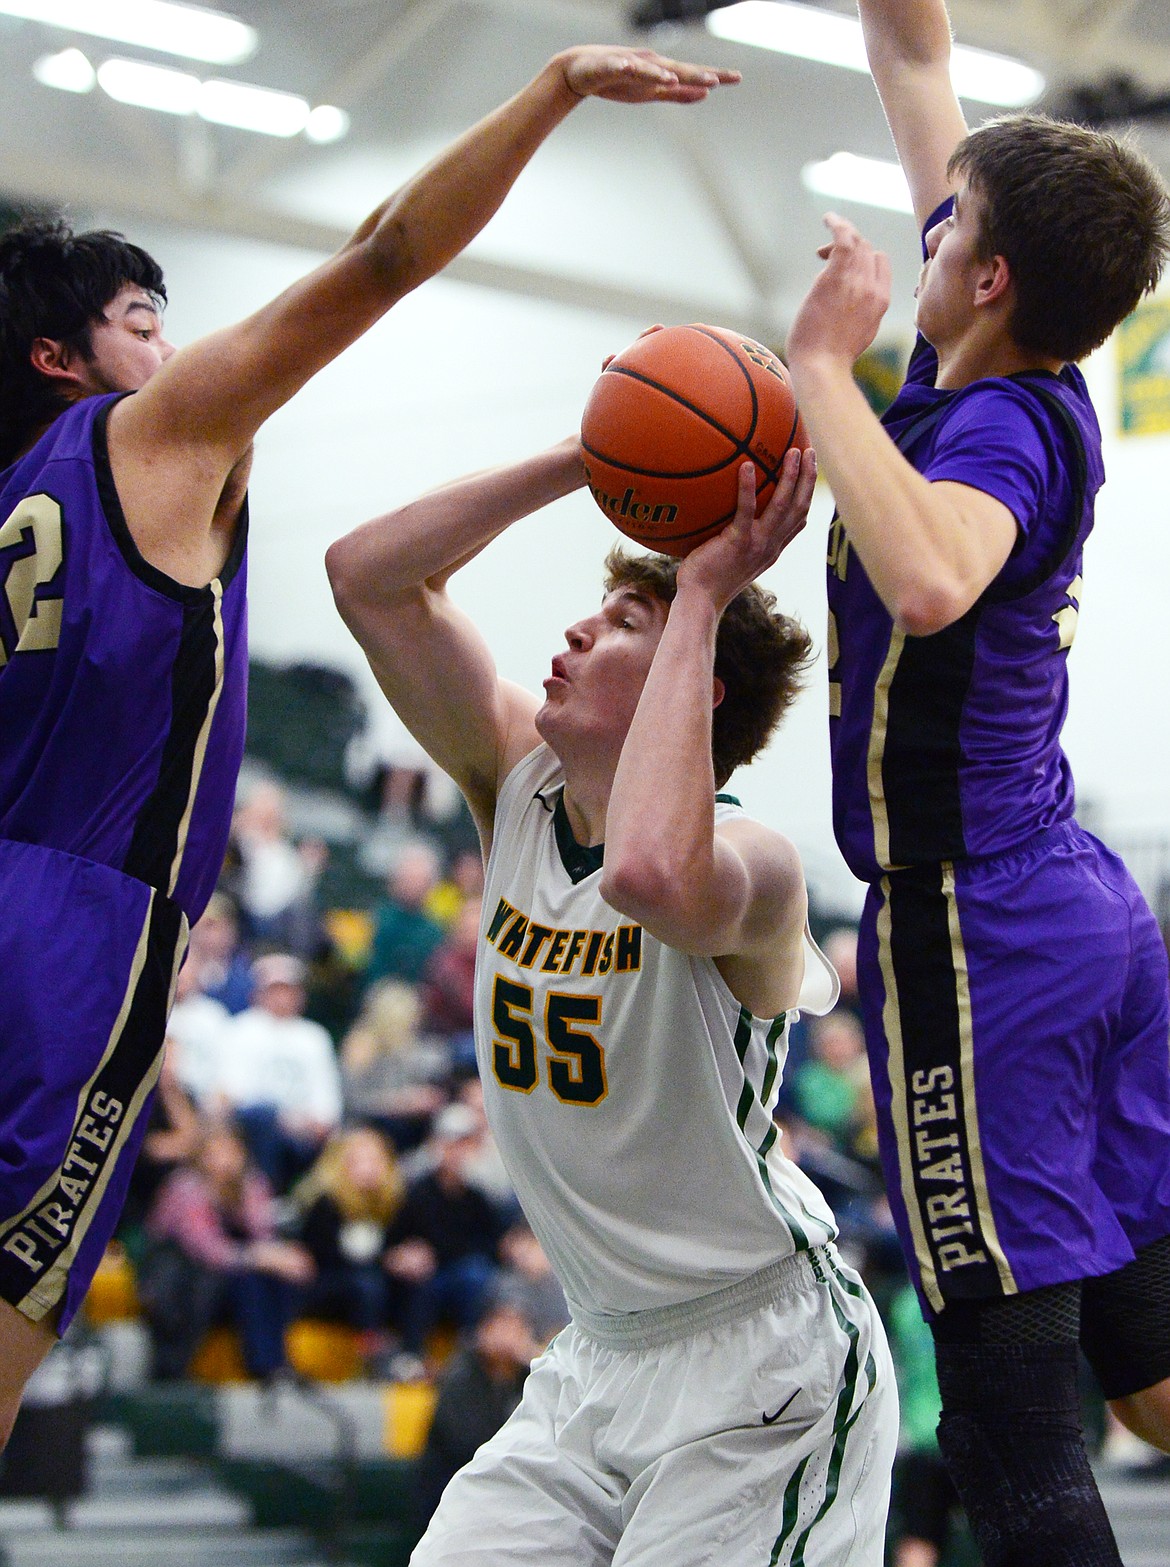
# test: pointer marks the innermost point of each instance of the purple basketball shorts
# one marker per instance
(1018, 1025)
(87, 964)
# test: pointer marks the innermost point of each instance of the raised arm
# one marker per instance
(735, 892)
(174, 443)
(929, 549)
(389, 578)
(909, 47)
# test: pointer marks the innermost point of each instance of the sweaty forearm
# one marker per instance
(910, 32)
(438, 212)
(659, 826)
(908, 534)
(425, 542)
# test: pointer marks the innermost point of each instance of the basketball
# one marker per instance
(669, 423)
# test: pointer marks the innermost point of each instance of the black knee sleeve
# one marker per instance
(1011, 1434)
(1125, 1323)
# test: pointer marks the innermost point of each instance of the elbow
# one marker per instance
(637, 888)
(927, 608)
(342, 567)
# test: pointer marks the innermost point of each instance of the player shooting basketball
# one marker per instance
(122, 655)
(1013, 981)
(724, 1391)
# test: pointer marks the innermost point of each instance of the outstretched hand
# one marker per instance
(843, 309)
(725, 564)
(638, 75)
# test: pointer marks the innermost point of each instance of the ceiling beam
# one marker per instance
(101, 190)
(346, 88)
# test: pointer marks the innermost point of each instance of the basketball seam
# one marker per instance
(740, 445)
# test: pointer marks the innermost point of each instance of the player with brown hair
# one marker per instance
(724, 1389)
(1013, 981)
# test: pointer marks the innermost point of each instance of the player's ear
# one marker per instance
(52, 359)
(717, 690)
(993, 281)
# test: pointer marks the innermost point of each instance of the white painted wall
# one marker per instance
(458, 378)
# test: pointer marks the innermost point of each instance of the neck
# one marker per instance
(588, 782)
(586, 810)
(975, 358)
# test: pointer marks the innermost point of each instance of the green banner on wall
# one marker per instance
(1143, 369)
(880, 373)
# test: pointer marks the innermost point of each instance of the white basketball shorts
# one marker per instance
(752, 1428)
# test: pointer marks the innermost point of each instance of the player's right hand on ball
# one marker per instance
(748, 545)
(638, 75)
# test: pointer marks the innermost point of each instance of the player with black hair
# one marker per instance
(1013, 981)
(122, 650)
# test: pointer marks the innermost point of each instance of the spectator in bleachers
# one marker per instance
(195, 1034)
(277, 878)
(213, 1255)
(173, 1134)
(281, 1075)
(347, 1204)
(225, 968)
(485, 1168)
(464, 880)
(448, 986)
(828, 1090)
(391, 1073)
(405, 935)
(478, 1390)
(840, 947)
(528, 1282)
(841, 950)
(445, 1241)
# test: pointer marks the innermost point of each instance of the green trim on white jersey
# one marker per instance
(630, 1094)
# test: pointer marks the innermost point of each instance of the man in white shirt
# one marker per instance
(280, 1072)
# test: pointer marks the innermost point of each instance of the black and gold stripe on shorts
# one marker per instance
(927, 1021)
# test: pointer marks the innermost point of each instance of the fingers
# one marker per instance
(745, 510)
(639, 75)
(794, 490)
(705, 75)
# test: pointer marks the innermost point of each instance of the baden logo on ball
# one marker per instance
(670, 422)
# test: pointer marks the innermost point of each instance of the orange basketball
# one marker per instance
(668, 426)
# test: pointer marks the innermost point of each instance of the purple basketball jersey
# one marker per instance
(949, 745)
(122, 698)
(122, 692)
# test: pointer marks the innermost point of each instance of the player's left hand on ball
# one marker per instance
(748, 545)
(645, 332)
(638, 75)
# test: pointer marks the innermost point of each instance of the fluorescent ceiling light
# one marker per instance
(179, 92)
(189, 30)
(69, 70)
(832, 39)
(252, 108)
(326, 124)
(869, 180)
(150, 86)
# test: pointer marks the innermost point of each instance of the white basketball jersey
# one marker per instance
(629, 1092)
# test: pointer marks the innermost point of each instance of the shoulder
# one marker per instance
(535, 772)
(773, 864)
(753, 838)
(70, 437)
